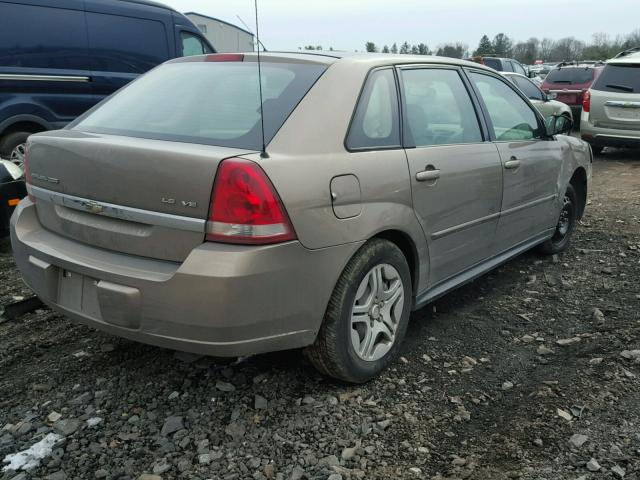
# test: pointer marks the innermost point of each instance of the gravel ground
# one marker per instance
(532, 372)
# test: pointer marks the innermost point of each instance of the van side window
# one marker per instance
(192, 45)
(32, 36)
(125, 44)
(376, 121)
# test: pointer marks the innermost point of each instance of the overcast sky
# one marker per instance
(348, 24)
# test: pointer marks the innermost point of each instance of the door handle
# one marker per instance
(428, 175)
(512, 163)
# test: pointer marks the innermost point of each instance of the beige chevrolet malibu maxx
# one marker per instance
(383, 182)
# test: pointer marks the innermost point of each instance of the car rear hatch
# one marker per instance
(615, 97)
(569, 83)
(136, 174)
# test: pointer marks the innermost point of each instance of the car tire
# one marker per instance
(355, 347)
(10, 146)
(567, 220)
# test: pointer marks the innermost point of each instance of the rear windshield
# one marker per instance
(619, 78)
(215, 103)
(570, 76)
(493, 63)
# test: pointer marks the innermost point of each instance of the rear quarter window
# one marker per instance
(619, 79)
(126, 44)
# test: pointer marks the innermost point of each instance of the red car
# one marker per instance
(570, 82)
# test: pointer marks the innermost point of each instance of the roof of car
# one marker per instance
(150, 3)
(331, 56)
(631, 57)
(327, 57)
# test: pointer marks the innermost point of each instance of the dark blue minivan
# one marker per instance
(58, 58)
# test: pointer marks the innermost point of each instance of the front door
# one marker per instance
(456, 176)
(530, 161)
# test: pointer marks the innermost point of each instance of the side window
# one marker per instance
(508, 66)
(528, 88)
(126, 44)
(376, 121)
(438, 108)
(518, 68)
(192, 45)
(41, 37)
(511, 117)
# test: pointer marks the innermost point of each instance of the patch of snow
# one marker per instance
(30, 458)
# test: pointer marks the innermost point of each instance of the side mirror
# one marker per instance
(551, 96)
(557, 125)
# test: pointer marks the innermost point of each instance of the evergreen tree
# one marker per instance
(423, 49)
(405, 48)
(385, 49)
(394, 48)
(502, 45)
(485, 47)
(370, 47)
(414, 50)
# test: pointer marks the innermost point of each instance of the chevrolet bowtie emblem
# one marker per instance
(93, 207)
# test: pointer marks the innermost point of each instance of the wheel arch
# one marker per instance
(26, 123)
(579, 182)
(408, 248)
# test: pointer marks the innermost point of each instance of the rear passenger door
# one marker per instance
(530, 162)
(455, 174)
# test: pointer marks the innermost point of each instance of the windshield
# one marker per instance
(570, 76)
(619, 78)
(214, 103)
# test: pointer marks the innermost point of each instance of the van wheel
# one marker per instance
(565, 226)
(367, 316)
(13, 147)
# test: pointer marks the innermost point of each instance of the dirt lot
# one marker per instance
(499, 379)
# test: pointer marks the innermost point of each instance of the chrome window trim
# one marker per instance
(622, 104)
(120, 212)
(43, 78)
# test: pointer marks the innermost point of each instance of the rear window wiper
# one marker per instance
(624, 88)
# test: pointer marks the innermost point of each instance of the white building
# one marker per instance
(224, 36)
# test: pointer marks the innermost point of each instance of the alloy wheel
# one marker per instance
(17, 155)
(376, 312)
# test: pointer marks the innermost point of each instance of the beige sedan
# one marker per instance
(544, 102)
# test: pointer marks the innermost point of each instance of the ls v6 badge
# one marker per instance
(184, 203)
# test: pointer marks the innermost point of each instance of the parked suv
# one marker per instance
(502, 64)
(611, 108)
(58, 58)
(569, 82)
(161, 217)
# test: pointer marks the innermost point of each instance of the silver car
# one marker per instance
(169, 215)
(611, 108)
(546, 103)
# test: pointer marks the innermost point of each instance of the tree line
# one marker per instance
(601, 47)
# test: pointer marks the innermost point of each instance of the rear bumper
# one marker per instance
(608, 137)
(223, 300)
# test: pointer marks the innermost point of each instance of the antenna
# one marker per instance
(264, 49)
(263, 153)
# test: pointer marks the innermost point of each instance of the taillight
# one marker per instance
(27, 174)
(245, 207)
(586, 101)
